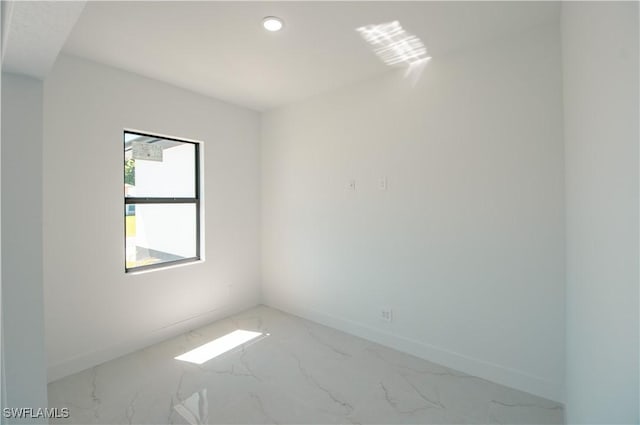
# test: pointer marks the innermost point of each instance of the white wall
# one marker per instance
(600, 61)
(24, 351)
(93, 310)
(3, 393)
(466, 245)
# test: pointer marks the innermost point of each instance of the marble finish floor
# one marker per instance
(296, 372)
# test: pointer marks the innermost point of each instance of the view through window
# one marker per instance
(161, 201)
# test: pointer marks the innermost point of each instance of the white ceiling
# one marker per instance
(33, 32)
(220, 48)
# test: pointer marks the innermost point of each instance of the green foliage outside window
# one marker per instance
(130, 172)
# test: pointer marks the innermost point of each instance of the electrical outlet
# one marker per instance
(352, 185)
(386, 314)
(382, 183)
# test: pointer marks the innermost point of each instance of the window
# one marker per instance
(161, 201)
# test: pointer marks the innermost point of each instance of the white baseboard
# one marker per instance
(492, 372)
(482, 369)
(94, 358)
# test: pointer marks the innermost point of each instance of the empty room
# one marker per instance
(319, 212)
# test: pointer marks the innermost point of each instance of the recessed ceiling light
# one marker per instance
(272, 23)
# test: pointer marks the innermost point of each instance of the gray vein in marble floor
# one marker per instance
(179, 387)
(436, 403)
(394, 404)
(347, 406)
(323, 343)
(171, 408)
(536, 406)
(130, 412)
(234, 372)
(444, 372)
(260, 404)
(298, 372)
(94, 389)
(192, 335)
(245, 363)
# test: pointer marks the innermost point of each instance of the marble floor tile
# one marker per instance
(296, 372)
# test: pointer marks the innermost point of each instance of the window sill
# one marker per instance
(164, 266)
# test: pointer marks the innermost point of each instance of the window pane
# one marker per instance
(156, 167)
(158, 233)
